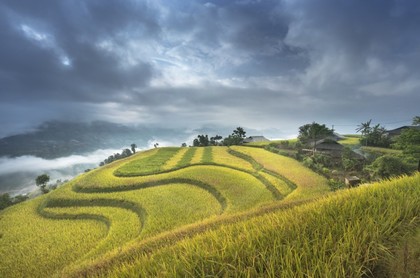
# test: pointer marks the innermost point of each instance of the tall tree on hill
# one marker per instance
(240, 132)
(365, 129)
(133, 148)
(416, 120)
(311, 133)
(215, 140)
(41, 181)
(373, 136)
(201, 141)
(236, 138)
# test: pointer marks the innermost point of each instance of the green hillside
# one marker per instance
(134, 215)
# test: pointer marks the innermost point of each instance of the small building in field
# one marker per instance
(333, 149)
(254, 139)
(337, 137)
(327, 145)
(352, 181)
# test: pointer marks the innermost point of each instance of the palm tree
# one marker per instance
(365, 129)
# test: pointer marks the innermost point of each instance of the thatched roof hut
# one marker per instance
(253, 139)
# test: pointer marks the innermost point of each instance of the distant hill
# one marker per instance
(57, 139)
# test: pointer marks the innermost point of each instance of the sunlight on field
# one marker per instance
(309, 184)
(175, 159)
(198, 156)
(31, 245)
(146, 198)
(312, 240)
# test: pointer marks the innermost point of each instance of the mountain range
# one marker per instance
(57, 139)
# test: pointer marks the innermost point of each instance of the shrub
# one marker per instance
(388, 166)
(335, 184)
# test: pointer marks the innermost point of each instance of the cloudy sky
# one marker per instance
(266, 65)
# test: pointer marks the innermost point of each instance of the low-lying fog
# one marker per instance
(17, 175)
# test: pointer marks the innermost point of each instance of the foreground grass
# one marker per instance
(349, 234)
(34, 246)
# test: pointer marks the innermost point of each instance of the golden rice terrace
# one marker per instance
(124, 219)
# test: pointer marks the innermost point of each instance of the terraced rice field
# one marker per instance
(151, 197)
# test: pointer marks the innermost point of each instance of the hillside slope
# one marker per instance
(352, 233)
(115, 217)
(139, 199)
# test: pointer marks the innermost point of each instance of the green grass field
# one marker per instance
(125, 211)
(264, 144)
(380, 151)
(350, 141)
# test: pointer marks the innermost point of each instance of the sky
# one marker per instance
(269, 66)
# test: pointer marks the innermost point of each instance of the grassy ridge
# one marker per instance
(198, 156)
(186, 158)
(160, 207)
(34, 246)
(222, 156)
(309, 184)
(346, 235)
(156, 193)
(207, 155)
(175, 159)
(123, 225)
(148, 165)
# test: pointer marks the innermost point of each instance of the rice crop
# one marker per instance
(198, 156)
(142, 198)
(187, 157)
(148, 165)
(34, 246)
(309, 184)
(173, 162)
(222, 156)
(348, 234)
(207, 155)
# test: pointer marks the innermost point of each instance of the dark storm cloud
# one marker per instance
(359, 46)
(360, 28)
(252, 31)
(50, 49)
(246, 62)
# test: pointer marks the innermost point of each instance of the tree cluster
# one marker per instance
(309, 134)
(375, 136)
(409, 140)
(125, 153)
(236, 138)
(6, 200)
